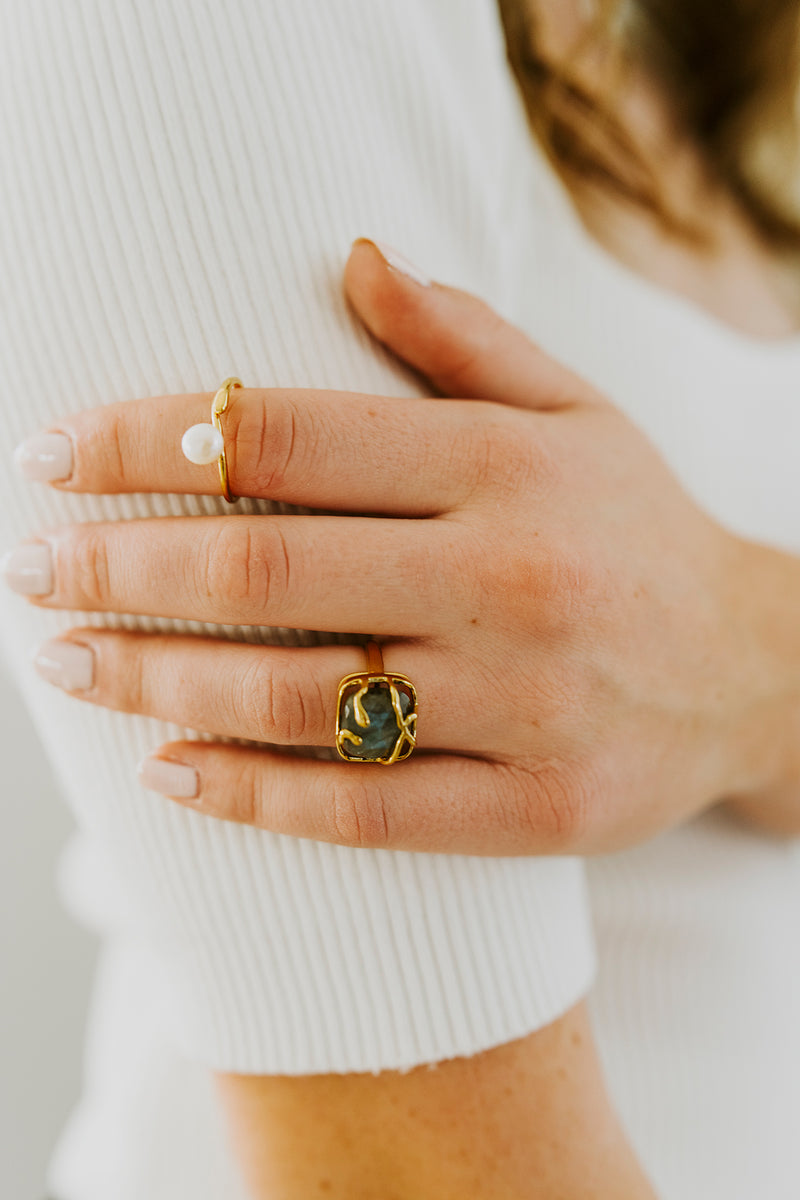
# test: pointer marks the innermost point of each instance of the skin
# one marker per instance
(436, 1132)
(529, 1119)
(736, 276)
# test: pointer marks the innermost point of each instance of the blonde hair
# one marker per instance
(732, 72)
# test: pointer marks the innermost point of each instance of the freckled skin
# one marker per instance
(529, 1120)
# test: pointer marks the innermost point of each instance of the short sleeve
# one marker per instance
(179, 187)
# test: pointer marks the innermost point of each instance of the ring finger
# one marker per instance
(276, 694)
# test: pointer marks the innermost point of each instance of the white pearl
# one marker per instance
(202, 444)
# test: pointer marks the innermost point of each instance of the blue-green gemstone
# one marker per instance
(380, 736)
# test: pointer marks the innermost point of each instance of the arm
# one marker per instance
(529, 1120)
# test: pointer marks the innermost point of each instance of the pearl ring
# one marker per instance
(203, 443)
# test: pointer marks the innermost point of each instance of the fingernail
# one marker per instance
(28, 569)
(169, 777)
(398, 262)
(45, 457)
(69, 665)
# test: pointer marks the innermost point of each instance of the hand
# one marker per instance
(571, 620)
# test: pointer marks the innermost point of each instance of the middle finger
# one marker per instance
(339, 574)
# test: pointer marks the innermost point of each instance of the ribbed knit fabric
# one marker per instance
(180, 181)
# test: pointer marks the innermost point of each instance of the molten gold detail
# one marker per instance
(360, 681)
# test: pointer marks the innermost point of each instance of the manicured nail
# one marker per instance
(28, 569)
(69, 665)
(45, 457)
(169, 777)
(398, 262)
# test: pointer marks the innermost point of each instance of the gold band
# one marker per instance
(218, 406)
(376, 713)
(374, 658)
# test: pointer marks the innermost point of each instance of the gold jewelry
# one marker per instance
(376, 715)
(204, 442)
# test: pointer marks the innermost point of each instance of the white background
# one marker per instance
(45, 961)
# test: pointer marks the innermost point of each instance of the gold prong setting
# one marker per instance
(376, 718)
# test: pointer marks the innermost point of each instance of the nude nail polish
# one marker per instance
(28, 569)
(45, 457)
(169, 777)
(69, 665)
(398, 262)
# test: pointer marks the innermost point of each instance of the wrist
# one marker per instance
(527, 1120)
(762, 599)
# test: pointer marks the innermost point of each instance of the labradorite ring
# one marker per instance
(376, 715)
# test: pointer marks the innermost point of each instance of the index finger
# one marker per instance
(319, 449)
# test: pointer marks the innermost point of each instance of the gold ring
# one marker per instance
(203, 443)
(376, 715)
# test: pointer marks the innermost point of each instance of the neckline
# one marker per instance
(682, 307)
(688, 310)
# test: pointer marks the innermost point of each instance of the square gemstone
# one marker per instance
(368, 728)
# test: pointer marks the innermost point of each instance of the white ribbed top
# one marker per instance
(179, 185)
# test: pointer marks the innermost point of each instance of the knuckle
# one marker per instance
(121, 670)
(549, 588)
(291, 440)
(358, 814)
(560, 577)
(134, 683)
(106, 447)
(130, 673)
(280, 708)
(248, 435)
(247, 796)
(272, 445)
(501, 578)
(566, 588)
(111, 447)
(89, 567)
(240, 568)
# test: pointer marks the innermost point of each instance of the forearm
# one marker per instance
(768, 602)
(529, 1120)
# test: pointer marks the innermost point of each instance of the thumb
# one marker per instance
(453, 338)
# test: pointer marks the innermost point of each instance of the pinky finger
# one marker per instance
(440, 803)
